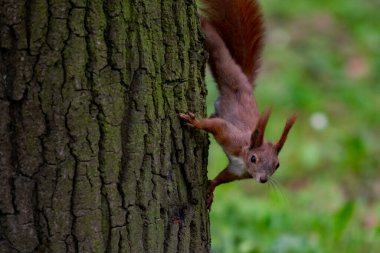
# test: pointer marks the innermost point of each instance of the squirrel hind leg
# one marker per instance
(217, 108)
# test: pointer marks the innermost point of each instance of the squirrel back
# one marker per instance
(240, 25)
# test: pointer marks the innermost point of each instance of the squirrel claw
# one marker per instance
(189, 117)
(209, 201)
(210, 194)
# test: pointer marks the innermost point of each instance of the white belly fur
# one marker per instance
(236, 166)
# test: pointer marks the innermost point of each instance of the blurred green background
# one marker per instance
(322, 60)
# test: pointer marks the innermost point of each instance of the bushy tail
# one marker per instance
(240, 25)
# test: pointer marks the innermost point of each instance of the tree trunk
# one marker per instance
(93, 157)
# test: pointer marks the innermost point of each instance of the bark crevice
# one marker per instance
(93, 155)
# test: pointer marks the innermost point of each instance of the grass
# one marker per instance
(321, 61)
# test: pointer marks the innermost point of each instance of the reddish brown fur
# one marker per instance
(240, 25)
(288, 126)
(237, 104)
(257, 137)
(234, 31)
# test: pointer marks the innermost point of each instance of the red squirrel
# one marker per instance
(234, 40)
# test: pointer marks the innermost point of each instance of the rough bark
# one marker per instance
(92, 155)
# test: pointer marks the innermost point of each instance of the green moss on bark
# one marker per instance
(95, 157)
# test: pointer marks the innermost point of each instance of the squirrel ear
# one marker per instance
(288, 126)
(257, 137)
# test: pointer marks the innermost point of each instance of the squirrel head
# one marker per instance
(261, 157)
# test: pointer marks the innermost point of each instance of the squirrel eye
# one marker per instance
(253, 159)
(278, 165)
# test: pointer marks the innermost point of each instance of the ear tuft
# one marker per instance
(289, 123)
(257, 137)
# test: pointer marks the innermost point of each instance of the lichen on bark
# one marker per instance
(93, 157)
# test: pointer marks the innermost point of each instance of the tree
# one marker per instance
(92, 155)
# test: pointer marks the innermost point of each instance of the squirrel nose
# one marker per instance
(263, 179)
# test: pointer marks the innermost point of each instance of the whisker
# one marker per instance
(277, 187)
(269, 187)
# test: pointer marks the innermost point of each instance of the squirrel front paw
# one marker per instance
(210, 199)
(189, 118)
(210, 194)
